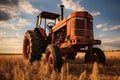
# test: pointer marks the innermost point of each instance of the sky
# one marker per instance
(18, 16)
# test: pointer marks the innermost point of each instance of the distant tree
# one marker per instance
(112, 51)
(118, 50)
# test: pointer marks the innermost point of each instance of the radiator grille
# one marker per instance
(78, 23)
(89, 24)
(79, 32)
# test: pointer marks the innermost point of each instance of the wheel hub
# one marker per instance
(95, 58)
(28, 49)
(50, 61)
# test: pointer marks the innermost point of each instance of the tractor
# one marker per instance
(62, 38)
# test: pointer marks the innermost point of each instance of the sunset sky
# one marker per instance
(18, 16)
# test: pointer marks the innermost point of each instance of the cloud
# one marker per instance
(9, 26)
(18, 35)
(9, 2)
(102, 25)
(26, 7)
(95, 13)
(8, 11)
(15, 24)
(111, 40)
(70, 4)
(4, 16)
(23, 22)
(10, 44)
(75, 6)
(109, 44)
(106, 27)
(101, 35)
(114, 27)
(2, 33)
(12, 8)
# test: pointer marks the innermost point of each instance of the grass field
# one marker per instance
(13, 67)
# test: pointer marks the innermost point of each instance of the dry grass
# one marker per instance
(14, 68)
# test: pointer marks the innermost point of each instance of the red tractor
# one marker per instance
(62, 39)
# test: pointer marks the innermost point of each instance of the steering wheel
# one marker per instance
(50, 25)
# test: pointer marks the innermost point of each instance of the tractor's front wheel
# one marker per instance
(53, 58)
(97, 56)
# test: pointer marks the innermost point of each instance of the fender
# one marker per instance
(42, 32)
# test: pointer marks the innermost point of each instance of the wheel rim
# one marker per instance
(27, 49)
(50, 60)
(95, 58)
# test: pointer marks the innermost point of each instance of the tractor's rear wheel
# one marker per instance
(32, 46)
(97, 56)
(53, 58)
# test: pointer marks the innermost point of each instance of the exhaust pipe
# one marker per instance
(61, 12)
